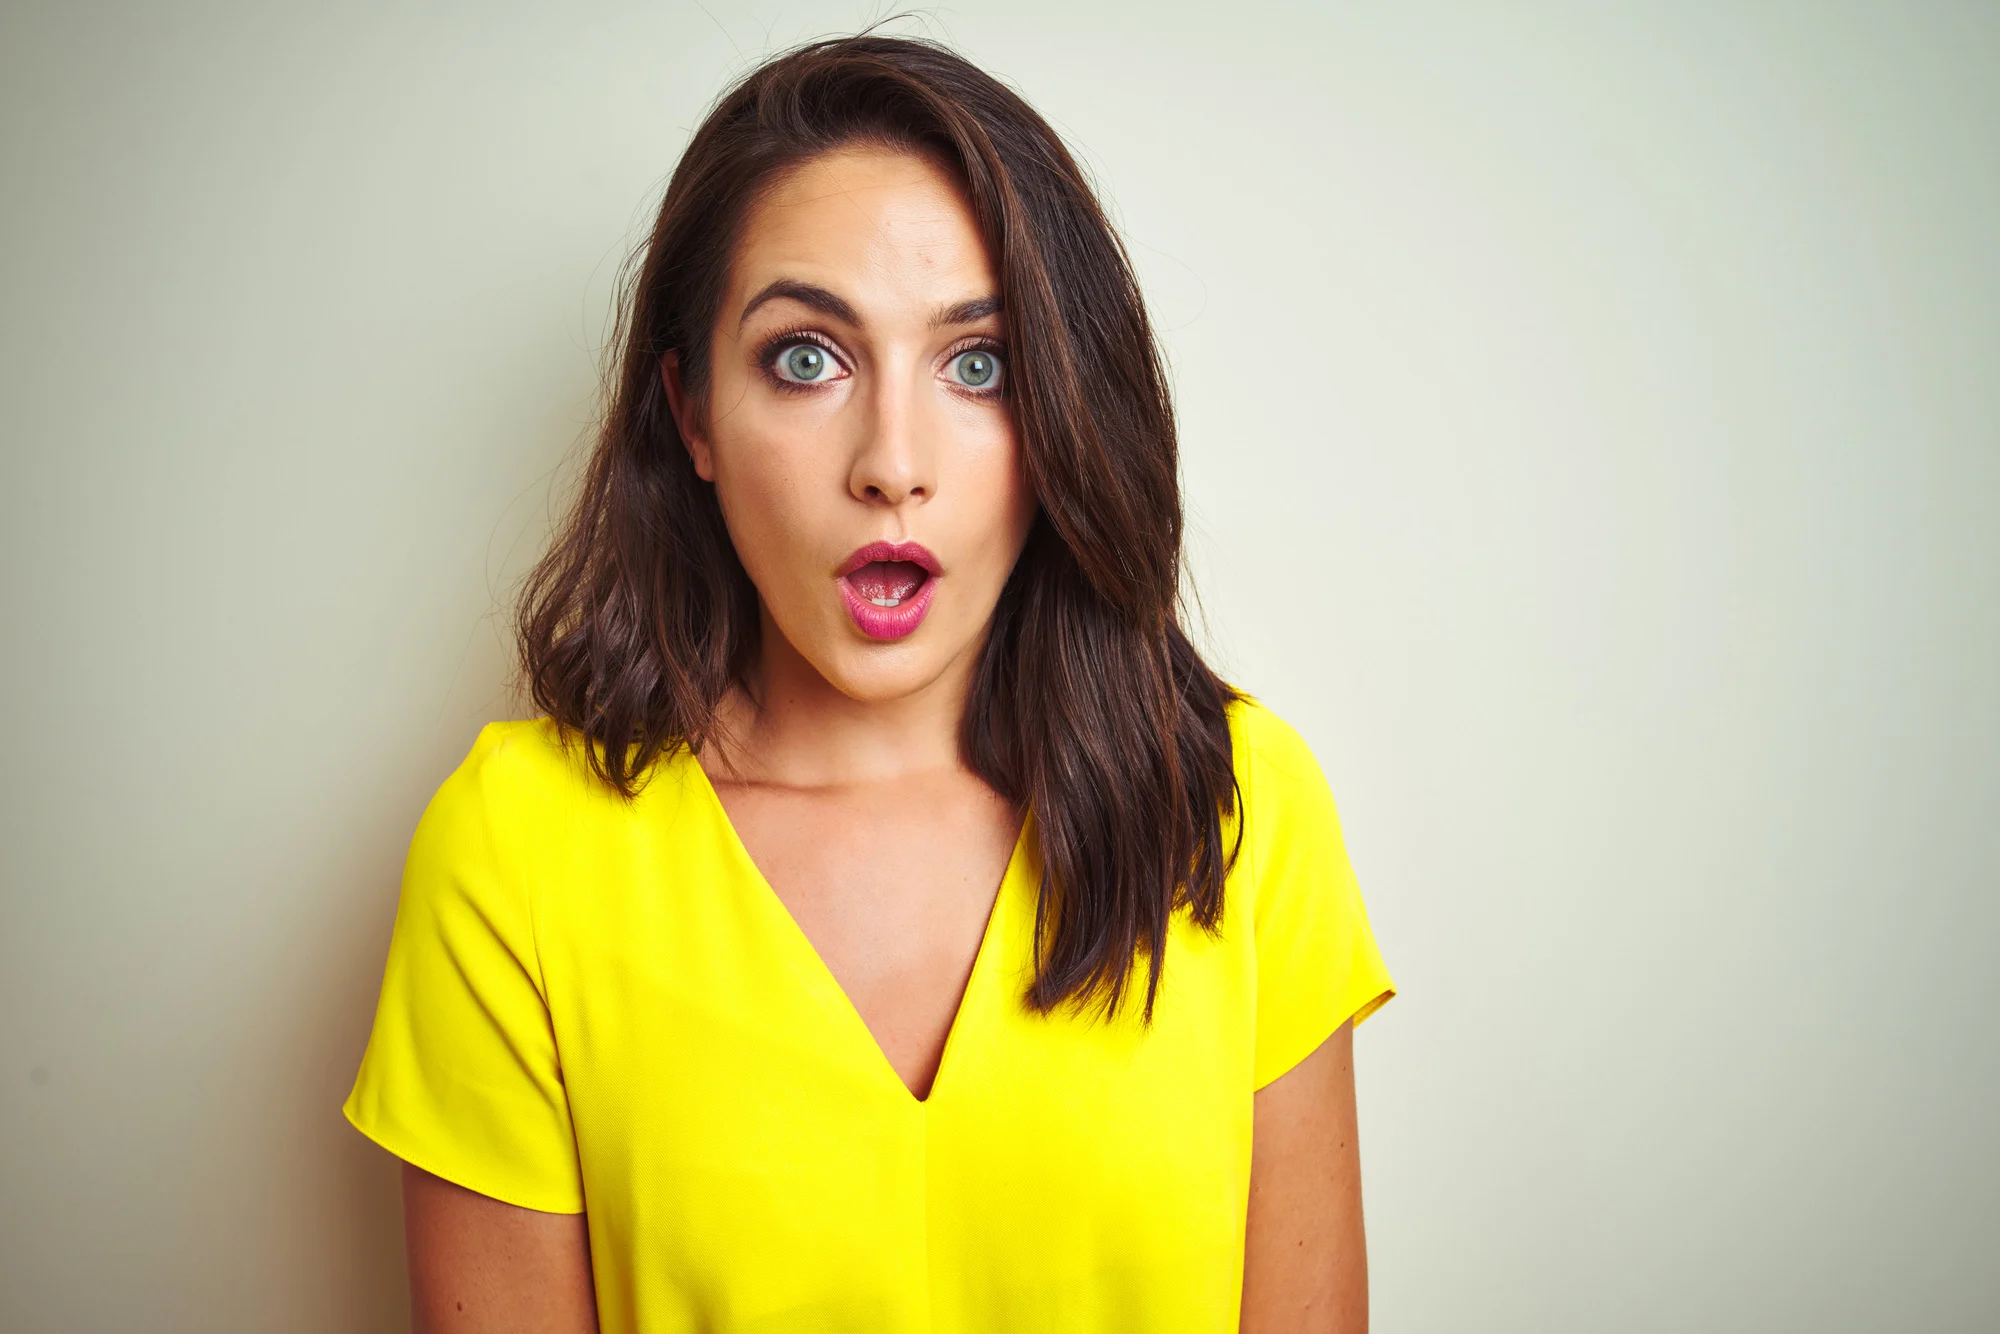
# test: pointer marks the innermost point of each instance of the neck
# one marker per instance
(794, 728)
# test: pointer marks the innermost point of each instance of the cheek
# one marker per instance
(766, 492)
(994, 510)
(1005, 480)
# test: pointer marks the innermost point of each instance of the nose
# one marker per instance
(896, 461)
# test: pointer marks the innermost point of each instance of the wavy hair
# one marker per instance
(1090, 708)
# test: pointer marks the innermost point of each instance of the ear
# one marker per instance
(677, 403)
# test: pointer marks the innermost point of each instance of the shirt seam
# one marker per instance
(530, 884)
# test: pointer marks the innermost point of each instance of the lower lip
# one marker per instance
(889, 622)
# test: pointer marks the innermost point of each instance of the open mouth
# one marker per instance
(886, 583)
(888, 586)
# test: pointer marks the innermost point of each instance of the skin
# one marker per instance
(837, 736)
(481, 1266)
(1305, 1252)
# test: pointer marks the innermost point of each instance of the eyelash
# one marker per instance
(767, 358)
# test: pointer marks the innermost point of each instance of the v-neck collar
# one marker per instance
(812, 966)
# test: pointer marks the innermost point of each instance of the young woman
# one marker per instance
(892, 925)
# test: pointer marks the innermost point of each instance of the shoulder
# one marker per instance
(520, 782)
(530, 763)
(529, 752)
(515, 805)
(1274, 766)
(1289, 821)
(526, 792)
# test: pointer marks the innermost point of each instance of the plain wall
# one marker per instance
(1592, 443)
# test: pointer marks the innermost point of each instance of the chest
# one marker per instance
(892, 887)
(749, 1147)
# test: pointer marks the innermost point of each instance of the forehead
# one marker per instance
(890, 231)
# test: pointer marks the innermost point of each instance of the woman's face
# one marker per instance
(857, 428)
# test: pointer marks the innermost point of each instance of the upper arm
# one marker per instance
(1317, 962)
(463, 1078)
(1305, 1256)
(1319, 975)
(462, 1075)
(481, 1266)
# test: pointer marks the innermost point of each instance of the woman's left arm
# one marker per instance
(1305, 1253)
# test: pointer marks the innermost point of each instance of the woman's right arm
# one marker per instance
(481, 1266)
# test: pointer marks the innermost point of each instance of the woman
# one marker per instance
(892, 925)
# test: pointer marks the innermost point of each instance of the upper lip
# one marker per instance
(913, 552)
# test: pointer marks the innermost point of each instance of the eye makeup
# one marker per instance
(766, 361)
(991, 347)
(768, 350)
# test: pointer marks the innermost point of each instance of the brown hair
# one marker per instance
(1089, 707)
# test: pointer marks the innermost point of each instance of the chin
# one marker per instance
(885, 674)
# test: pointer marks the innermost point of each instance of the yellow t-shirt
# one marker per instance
(594, 1003)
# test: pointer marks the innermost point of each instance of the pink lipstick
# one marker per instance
(888, 587)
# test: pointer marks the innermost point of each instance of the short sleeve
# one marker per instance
(461, 1075)
(1317, 961)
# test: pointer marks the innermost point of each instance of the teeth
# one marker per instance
(887, 602)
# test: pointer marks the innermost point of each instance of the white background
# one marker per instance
(1592, 433)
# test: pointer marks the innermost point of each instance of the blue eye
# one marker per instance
(806, 363)
(977, 368)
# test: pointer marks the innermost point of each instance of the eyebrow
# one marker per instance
(966, 312)
(831, 303)
(806, 294)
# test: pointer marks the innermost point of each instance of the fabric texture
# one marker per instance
(601, 1006)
